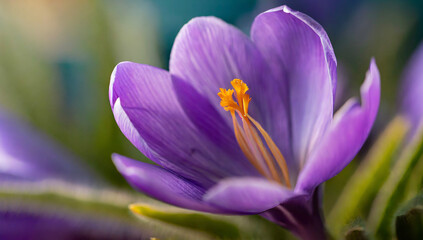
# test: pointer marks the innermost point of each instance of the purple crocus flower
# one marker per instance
(412, 89)
(23, 223)
(28, 160)
(29, 156)
(243, 125)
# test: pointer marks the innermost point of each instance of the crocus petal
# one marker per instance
(346, 135)
(27, 155)
(23, 222)
(162, 184)
(248, 195)
(208, 53)
(300, 54)
(148, 112)
(412, 89)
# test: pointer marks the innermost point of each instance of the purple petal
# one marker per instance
(162, 184)
(300, 55)
(248, 195)
(346, 135)
(29, 222)
(27, 155)
(412, 90)
(148, 112)
(209, 53)
(210, 123)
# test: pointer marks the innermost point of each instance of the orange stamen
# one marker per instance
(243, 145)
(275, 151)
(248, 138)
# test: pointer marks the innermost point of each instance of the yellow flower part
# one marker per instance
(266, 158)
(243, 99)
(227, 101)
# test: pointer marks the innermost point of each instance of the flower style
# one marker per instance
(271, 141)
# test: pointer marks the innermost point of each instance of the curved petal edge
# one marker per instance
(249, 195)
(346, 135)
(162, 184)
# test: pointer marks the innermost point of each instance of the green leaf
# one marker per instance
(364, 184)
(190, 220)
(55, 198)
(409, 220)
(106, 207)
(97, 207)
(415, 183)
(208, 226)
(393, 192)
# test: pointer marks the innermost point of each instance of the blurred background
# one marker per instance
(56, 58)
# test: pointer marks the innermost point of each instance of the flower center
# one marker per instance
(271, 164)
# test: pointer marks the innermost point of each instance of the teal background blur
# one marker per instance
(56, 57)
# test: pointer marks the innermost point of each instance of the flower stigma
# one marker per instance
(271, 165)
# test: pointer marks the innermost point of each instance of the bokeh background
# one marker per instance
(56, 58)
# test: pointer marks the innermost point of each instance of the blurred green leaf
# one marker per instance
(99, 207)
(409, 220)
(393, 192)
(363, 185)
(193, 221)
(415, 184)
(55, 198)
(208, 226)
(109, 208)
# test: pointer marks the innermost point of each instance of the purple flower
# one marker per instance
(28, 156)
(27, 161)
(265, 143)
(412, 90)
(19, 223)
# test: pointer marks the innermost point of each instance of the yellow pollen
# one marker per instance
(243, 99)
(227, 101)
(266, 158)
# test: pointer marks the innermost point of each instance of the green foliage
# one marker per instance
(109, 207)
(364, 184)
(415, 183)
(104, 206)
(393, 192)
(193, 221)
(207, 226)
